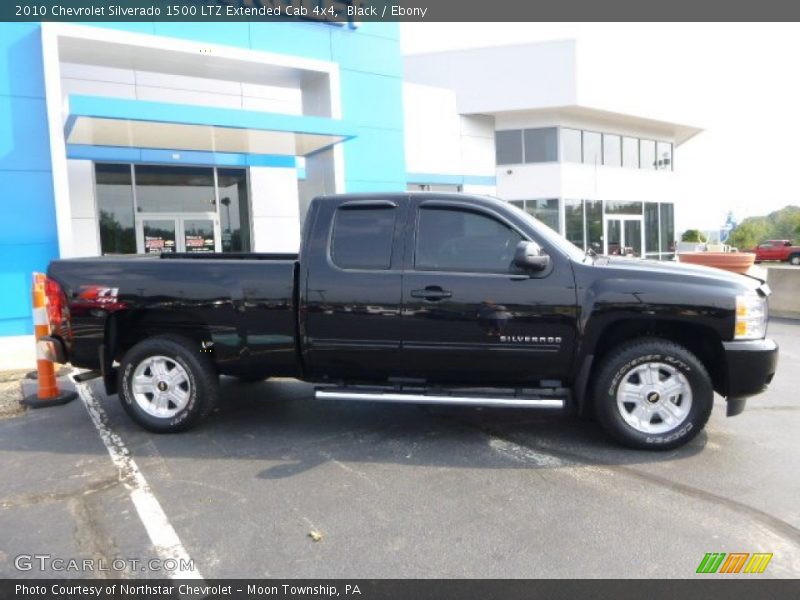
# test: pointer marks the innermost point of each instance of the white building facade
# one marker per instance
(604, 179)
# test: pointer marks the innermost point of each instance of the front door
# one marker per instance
(469, 315)
(623, 236)
(158, 233)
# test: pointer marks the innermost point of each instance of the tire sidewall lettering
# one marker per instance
(627, 358)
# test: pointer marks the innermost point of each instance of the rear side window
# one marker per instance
(362, 237)
(458, 240)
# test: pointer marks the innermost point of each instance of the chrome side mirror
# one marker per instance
(529, 256)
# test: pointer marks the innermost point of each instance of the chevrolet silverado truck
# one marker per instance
(423, 298)
(780, 250)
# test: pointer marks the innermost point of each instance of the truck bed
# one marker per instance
(243, 306)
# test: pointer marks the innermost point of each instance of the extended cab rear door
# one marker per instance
(470, 316)
(350, 322)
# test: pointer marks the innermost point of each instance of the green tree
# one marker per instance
(783, 224)
(693, 235)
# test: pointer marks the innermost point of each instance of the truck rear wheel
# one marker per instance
(653, 394)
(166, 385)
(795, 259)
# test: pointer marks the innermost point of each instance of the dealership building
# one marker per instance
(168, 137)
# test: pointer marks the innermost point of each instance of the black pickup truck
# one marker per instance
(422, 298)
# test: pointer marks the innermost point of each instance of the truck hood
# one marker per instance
(680, 270)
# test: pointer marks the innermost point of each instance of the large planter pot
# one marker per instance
(737, 262)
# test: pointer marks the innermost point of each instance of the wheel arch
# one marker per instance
(702, 341)
(124, 329)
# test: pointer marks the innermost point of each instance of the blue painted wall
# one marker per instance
(28, 237)
(371, 80)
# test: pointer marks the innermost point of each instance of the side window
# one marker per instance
(458, 240)
(362, 237)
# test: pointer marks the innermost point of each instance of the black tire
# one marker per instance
(201, 382)
(794, 259)
(621, 366)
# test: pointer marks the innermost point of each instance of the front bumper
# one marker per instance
(750, 366)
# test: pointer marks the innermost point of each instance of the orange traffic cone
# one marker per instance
(48, 393)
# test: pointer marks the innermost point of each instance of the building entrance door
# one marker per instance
(157, 233)
(623, 235)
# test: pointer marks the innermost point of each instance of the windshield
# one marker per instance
(552, 237)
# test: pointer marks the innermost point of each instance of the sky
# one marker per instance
(740, 83)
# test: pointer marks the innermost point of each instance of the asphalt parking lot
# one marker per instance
(406, 491)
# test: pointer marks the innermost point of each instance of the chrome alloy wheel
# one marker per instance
(654, 397)
(161, 386)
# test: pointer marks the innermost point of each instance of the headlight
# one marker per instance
(751, 317)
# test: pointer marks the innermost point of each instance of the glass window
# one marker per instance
(633, 235)
(612, 150)
(614, 231)
(623, 208)
(362, 237)
(664, 156)
(175, 189)
(650, 227)
(114, 189)
(594, 224)
(647, 154)
(630, 152)
(457, 240)
(667, 227)
(544, 210)
(519, 203)
(573, 222)
(592, 148)
(541, 145)
(234, 210)
(571, 147)
(508, 147)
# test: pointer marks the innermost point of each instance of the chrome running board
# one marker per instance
(373, 396)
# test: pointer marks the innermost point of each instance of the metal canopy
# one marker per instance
(120, 122)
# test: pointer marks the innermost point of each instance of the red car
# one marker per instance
(781, 250)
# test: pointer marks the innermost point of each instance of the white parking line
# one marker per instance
(167, 544)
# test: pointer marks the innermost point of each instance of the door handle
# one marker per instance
(432, 293)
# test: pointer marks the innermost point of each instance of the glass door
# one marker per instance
(157, 236)
(623, 236)
(159, 233)
(199, 235)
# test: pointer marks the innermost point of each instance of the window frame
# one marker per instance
(355, 205)
(133, 164)
(556, 135)
(562, 146)
(460, 207)
(605, 146)
(600, 154)
(521, 148)
(637, 152)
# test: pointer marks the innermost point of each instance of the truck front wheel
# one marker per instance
(652, 394)
(166, 384)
